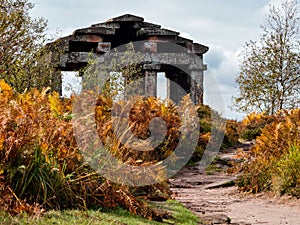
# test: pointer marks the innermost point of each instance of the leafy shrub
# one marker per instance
(205, 122)
(286, 176)
(253, 124)
(272, 163)
(230, 130)
(201, 146)
(231, 134)
(256, 176)
(204, 114)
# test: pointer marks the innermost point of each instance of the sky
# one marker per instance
(222, 25)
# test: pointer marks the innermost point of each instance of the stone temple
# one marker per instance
(182, 65)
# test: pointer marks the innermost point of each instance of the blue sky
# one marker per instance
(223, 26)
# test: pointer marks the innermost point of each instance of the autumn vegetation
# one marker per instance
(269, 85)
(273, 162)
(41, 165)
(43, 168)
(41, 162)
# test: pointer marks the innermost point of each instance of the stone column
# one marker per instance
(197, 86)
(150, 83)
(150, 78)
(56, 81)
(172, 89)
(175, 84)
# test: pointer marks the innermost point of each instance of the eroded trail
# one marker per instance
(214, 199)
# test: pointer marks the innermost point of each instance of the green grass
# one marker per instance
(180, 214)
(212, 169)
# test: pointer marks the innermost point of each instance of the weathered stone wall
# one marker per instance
(161, 50)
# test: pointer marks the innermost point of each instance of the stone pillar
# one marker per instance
(56, 81)
(175, 84)
(150, 78)
(151, 83)
(168, 87)
(173, 89)
(196, 89)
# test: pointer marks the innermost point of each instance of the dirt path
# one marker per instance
(214, 199)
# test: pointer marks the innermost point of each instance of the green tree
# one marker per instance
(269, 78)
(23, 58)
